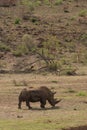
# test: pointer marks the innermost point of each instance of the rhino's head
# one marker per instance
(53, 101)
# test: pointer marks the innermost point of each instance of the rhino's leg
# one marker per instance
(19, 104)
(28, 104)
(43, 103)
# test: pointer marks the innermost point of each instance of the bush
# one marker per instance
(58, 2)
(4, 47)
(82, 93)
(46, 2)
(38, 3)
(84, 37)
(17, 21)
(53, 66)
(29, 42)
(17, 53)
(83, 13)
(69, 71)
(21, 50)
(70, 46)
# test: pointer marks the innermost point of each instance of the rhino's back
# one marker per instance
(46, 91)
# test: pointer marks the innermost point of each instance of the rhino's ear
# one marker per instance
(54, 93)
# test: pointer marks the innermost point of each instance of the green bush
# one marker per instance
(58, 2)
(17, 53)
(38, 3)
(83, 13)
(17, 21)
(84, 37)
(46, 2)
(4, 47)
(82, 93)
(21, 50)
(68, 70)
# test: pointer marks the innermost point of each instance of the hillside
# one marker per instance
(44, 36)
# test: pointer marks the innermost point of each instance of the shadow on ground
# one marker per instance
(41, 109)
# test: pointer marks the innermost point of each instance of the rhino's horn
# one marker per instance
(57, 101)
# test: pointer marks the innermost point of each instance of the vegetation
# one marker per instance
(82, 93)
(58, 2)
(41, 30)
(21, 50)
(4, 47)
(83, 13)
(17, 21)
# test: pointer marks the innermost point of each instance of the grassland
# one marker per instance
(71, 111)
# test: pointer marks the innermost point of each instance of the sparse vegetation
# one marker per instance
(70, 90)
(81, 93)
(34, 29)
(21, 83)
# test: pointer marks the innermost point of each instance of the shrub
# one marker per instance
(46, 2)
(53, 66)
(38, 3)
(17, 53)
(29, 42)
(34, 20)
(69, 70)
(58, 2)
(29, 4)
(84, 37)
(83, 13)
(4, 47)
(70, 46)
(73, 18)
(82, 93)
(17, 21)
(20, 50)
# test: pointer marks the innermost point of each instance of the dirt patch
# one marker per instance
(77, 128)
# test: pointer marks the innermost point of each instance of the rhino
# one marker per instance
(41, 95)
